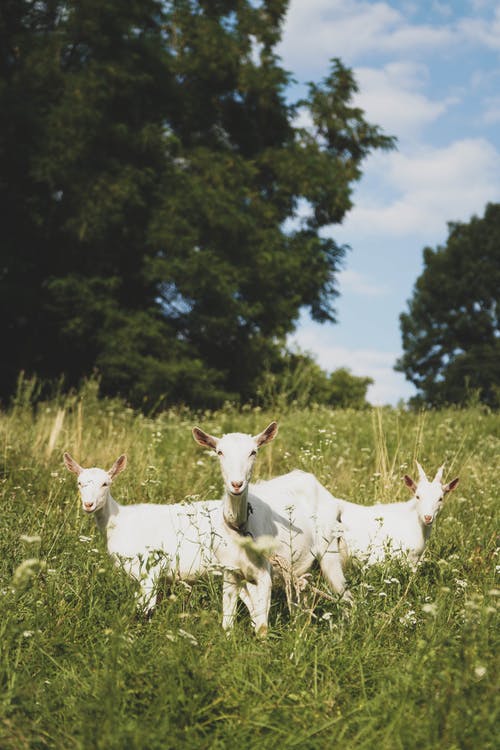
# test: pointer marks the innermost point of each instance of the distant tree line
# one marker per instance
(451, 332)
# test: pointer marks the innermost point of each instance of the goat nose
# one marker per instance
(237, 485)
(427, 519)
(87, 506)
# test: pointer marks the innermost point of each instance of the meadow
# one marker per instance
(414, 665)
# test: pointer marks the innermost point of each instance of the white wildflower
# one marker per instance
(430, 608)
(35, 539)
(27, 570)
(264, 546)
(188, 636)
(409, 618)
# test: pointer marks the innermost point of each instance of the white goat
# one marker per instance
(148, 540)
(293, 514)
(373, 532)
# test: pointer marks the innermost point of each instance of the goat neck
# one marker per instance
(106, 516)
(235, 510)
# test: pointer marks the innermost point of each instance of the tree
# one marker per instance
(451, 332)
(150, 163)
(300, 380)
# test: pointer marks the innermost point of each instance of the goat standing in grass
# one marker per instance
(372, 532)
(292, 513)
(148, 540)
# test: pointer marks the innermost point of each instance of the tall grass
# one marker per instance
(414, 666)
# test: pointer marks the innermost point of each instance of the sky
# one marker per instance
(429, 74)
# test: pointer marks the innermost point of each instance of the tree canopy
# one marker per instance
(151, 174)
(451, 332)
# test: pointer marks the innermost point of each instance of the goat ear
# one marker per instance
(410, 483)
(204, 439)
(267, 435)
(421, 472)
(451, 485)
(118, 466)
(439, 474)
(71, 464)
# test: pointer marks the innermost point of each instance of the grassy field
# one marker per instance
(414, 666)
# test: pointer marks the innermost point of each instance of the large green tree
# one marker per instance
(150, 167)
(451, 332)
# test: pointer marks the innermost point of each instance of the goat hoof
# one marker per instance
(261, 631)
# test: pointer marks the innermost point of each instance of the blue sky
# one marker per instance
(428, 73)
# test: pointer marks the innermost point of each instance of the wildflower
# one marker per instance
(263, 547)
(409, 618)
(479, 671)
(27, 570)
(84, 538)
(35, 539)
(188, 637)
(430, 608)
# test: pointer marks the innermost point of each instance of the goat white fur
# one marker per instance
(292, 513)
(148, 540)
(373, 532)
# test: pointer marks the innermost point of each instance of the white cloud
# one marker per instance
(492, 110)
(390, 97)
(321, 29)
(428, 187)
(389, 386)
(443, 9)
(358, 283)
(482, 31)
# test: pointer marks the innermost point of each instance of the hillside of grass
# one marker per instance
(414, 665)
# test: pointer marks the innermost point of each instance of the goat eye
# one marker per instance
(105, 484)
(253, 453)
(417, 497)
(219, 453)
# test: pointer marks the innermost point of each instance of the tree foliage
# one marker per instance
(150, 166)
(451, 332)
(300, 381)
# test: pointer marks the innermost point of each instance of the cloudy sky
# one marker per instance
(428, 73)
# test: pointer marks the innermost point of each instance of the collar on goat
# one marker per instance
(242, 529)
